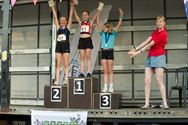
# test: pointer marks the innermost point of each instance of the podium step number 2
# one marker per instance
(105, 100)
(55, 96)
(56, 93)
(79, 86)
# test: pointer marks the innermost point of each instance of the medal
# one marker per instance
(107, 37)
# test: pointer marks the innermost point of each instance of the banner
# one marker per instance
(186, 7)
(58, 118)
(13, 2)
(35, 2)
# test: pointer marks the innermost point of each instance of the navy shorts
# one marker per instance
(107, 54)
(62, 47)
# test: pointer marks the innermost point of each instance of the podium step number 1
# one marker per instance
(105, 100)
(79, 86)
(56, 93)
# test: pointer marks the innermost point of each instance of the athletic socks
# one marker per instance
(105, 89)
(111, 88)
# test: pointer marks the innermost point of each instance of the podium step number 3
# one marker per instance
(56, 93)
(105, 100)
(79, 87)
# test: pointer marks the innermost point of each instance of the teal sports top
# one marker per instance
(108, 39)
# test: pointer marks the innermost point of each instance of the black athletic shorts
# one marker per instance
(85, 43)
(62, 47)
(107, 54)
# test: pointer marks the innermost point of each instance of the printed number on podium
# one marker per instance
(79, 86)
(105, 101)
(56, 92)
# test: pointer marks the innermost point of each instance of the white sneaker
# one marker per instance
(56, 83)
(105, 89)
(111, 90)
(65, 82)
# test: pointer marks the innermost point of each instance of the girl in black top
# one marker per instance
(62, 46)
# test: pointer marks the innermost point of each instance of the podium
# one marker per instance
(55, 96)
(80, 92)
(106, 100)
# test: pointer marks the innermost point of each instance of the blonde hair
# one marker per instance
(161, 17)
(110, 27)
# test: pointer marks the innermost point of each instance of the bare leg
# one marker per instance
(148, 77)
(66, 65)
(88, 56)
(110, 68)
(111, 73)
(105, 70)
(82, 59)
(160, 82)
(59, 58)
(105, 75)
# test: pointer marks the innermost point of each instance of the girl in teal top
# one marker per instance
(108, 37)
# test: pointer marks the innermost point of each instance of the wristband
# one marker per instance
(141, 50)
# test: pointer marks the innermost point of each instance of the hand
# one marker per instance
(51, 3)
(121, 12)
(71, 3)
(131, 52)
(75, 2)
(136, 53)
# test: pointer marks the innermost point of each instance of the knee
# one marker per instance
(147, 82)
(58, 64)
(160, 82)
(88, 56)
(82, 59)
(66, 65)
(105, 72)
(110, 71)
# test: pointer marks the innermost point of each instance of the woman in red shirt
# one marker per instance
(156, 61)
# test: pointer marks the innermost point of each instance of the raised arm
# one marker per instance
(120, 19)
(76, 16)
(98, 23)
(69, 25)
(94, 17)
(55, 17)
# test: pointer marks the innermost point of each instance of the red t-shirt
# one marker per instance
(160, 39)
